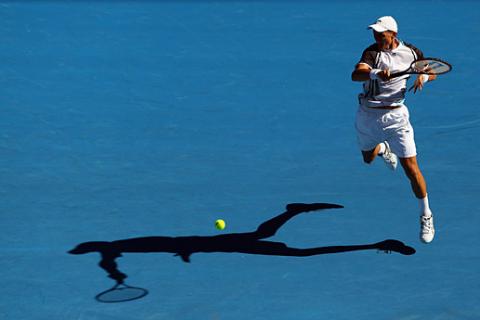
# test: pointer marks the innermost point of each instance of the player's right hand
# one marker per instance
(384, 75)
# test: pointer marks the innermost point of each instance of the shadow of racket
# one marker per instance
(121, 292)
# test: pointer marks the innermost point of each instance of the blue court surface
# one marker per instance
(132, 119)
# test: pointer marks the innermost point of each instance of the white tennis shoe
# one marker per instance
(427, 231)
(390, 158)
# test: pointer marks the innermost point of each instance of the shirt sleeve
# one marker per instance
(417, 51)
(368, 57)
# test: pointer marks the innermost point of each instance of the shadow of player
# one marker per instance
(248, 242)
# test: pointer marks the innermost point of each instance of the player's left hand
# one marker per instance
(419, 82)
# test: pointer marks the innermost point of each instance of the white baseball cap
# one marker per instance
(383, 24)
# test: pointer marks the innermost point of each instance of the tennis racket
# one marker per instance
(121, 293)
(425, 66)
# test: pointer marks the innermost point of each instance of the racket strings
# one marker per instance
(121, 294)
(431, 66)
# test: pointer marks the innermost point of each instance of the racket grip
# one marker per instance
(397, 74)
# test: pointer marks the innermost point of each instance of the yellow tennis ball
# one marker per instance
(220, 224)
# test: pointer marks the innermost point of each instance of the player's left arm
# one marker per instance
(421, 78)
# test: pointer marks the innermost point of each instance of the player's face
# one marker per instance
(385, 39)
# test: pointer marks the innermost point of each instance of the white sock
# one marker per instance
(424, 208)
(383, 147)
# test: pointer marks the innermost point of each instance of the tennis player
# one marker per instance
(382, 121)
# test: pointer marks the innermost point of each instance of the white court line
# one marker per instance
(452, 126)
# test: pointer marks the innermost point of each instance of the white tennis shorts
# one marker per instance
(378, 125)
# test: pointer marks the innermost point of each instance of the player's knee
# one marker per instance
(367, 158)
(367, 161)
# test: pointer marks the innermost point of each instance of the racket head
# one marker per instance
(121, 293)
(431, 66)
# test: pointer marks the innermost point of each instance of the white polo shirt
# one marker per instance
(379, 93)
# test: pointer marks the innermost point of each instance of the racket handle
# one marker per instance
(397, 74)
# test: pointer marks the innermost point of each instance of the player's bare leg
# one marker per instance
(415, 176)
(419, 188)
(383, 150)
(369, 156)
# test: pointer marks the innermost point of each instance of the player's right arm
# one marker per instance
(362, 72)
